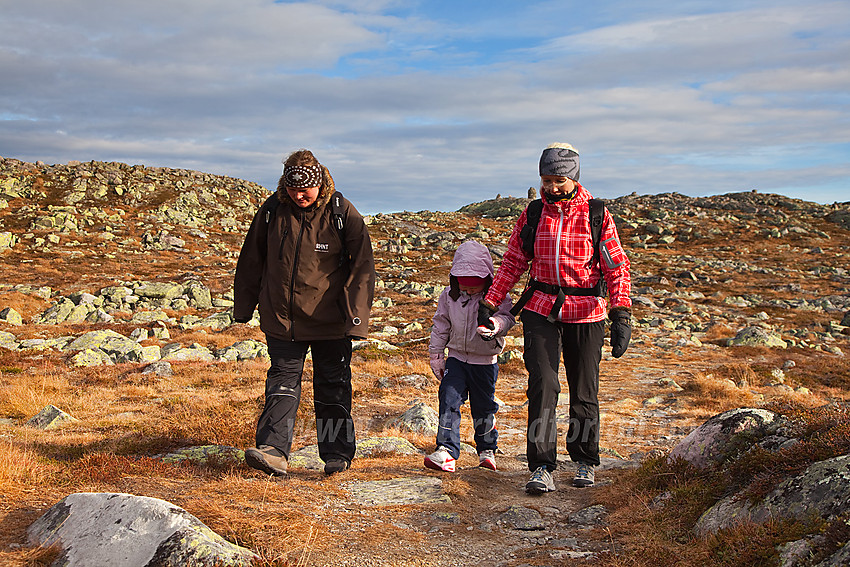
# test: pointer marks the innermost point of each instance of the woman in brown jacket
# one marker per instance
(307, 261)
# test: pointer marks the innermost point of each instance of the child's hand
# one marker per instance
(489, 332)
(438, 366)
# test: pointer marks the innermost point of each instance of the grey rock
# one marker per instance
(590, 516)
(522, 518)
(159, 368)
(398, 491)
(131, 531)
(7, 240)
(724, 435)
(823, 489)
(419, 418)
(199, 295)
(50, 417)
(244, 350)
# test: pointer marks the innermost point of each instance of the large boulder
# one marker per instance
(725, 435)
(822, 490)
(131, 531)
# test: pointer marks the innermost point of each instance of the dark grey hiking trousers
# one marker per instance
(331, 396)
(581, 347)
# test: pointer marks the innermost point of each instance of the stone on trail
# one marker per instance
(398, 491)
(522, 518)
(131, 531)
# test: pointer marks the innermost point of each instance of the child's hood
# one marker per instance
(472, 259)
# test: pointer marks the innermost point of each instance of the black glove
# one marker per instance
(485, 311)
(621, 330)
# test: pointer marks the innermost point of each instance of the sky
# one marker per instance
(430, 105)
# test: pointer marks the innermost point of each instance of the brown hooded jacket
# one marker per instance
(291, 265)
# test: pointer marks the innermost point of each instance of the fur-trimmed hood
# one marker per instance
(325, 191)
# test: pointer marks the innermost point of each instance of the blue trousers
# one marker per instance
(476, 382)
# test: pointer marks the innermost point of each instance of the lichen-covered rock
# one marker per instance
(91, 357)
(117, 346)
(8, 341)
(372, 446)
(194, 352)
(159, 290)
(823, 490)
(757, 336)
(131, 531)
(207, 455)
(10, 316)
(725, 435)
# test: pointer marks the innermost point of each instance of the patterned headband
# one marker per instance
(302, 176)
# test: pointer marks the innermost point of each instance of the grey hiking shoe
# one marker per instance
(584, 476)
(267, 459)
(541, 481)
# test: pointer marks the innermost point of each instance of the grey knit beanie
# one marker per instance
(560, 160)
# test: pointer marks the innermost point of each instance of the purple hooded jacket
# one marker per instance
(456, 317)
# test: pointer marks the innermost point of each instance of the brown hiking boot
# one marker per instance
(267, 459)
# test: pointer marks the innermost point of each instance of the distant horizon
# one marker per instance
(416, 105)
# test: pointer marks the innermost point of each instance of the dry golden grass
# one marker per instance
(718, 393)
(22, 468)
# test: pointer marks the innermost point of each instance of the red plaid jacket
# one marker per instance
(563, 251)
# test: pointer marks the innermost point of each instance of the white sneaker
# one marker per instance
(487, 459)
(440, 460)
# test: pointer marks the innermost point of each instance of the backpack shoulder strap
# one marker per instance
(597, 215)
(272, 203)
(529, 231)
(339, 223)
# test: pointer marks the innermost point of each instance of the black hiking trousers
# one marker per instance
(581, 346)
(331, 396)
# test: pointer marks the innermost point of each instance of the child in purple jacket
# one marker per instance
(470, 370)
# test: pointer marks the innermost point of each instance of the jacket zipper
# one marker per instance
(294, 271)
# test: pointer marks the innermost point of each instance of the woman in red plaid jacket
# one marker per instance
(564, 315)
